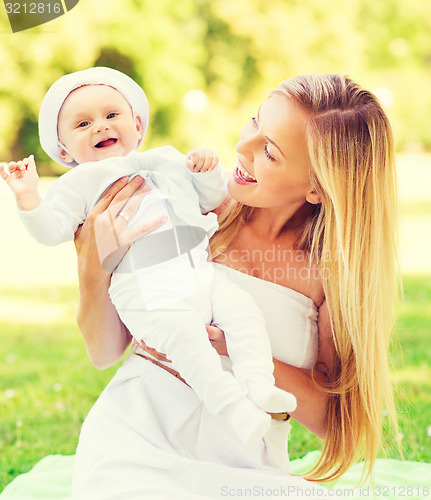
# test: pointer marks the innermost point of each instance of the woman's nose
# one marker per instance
(244, 146)
(247, 140)
(239, 146)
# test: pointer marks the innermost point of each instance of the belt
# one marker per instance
(274, 416)
(157, 363)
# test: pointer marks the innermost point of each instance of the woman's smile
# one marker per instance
(242, 176)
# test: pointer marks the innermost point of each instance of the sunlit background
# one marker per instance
(207, 64)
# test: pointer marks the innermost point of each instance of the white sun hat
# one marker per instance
(58, 92)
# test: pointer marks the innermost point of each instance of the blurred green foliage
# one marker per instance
(234, 51)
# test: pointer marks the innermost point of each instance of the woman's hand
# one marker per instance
(217, 339)
(89, 266)
(106, 225)
(113, 235)
(85, 237)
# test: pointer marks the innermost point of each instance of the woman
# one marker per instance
(311, 232)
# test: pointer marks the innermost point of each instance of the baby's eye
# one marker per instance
(112, 115)
(83, 124)
(254, 121)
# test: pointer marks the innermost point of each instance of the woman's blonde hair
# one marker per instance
(352, 235)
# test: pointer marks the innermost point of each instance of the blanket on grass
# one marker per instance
(51, 479)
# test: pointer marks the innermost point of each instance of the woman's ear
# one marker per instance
(64, 155)
(313, 198)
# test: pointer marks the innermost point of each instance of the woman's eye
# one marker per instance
(268, 154)
(83, 124)
(112, 115)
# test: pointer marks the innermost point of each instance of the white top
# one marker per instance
(74, 194)
(291, 318)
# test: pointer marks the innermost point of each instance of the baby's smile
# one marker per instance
(105, 143)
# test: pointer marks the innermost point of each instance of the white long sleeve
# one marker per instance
(73, 195)
(55, 223)
(211, 187)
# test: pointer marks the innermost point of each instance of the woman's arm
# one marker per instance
(311, 411)
(312, 403)
(106, 338)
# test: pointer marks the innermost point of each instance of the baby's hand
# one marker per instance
(22, 179)
(20, 175)
(201, 160)
(12, 170)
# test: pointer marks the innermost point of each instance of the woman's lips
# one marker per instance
(241, 176)
(105, 143)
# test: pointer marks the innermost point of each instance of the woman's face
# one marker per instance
(273, 162)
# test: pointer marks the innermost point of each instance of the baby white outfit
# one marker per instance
(165, 290)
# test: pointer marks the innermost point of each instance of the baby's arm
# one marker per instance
(50, 221)
(201, 160)
(210, 187)
(22, 179)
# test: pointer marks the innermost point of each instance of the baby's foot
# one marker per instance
(271, 398)
(249, 421)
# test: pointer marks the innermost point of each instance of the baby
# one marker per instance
(164, 289)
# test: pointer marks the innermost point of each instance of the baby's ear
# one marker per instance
(64, 155)
(138, 125)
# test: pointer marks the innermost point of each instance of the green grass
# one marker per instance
(411, 358)
(47, 384)
(411, 374)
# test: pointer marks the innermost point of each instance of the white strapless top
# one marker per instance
(291, 318)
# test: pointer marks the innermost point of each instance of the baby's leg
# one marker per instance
(179, 332)
(238, 315)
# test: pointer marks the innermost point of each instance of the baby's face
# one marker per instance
(96, 122)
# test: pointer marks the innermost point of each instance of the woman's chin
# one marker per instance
(239, 191)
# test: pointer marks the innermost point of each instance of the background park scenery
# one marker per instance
(205, 66)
